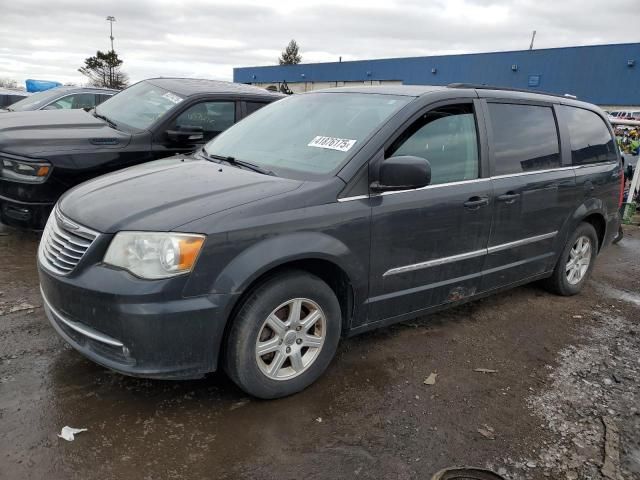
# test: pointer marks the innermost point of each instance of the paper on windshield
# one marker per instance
(332, 143)
(172, 97)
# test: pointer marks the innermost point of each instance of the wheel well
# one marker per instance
(598, 222)
(329, 272)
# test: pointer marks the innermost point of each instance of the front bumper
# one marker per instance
(136, 327)
(30, 215)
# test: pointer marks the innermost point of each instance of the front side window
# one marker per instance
(525, 138)
(307, 136)
(139, 106)
(211, 117)
(78, 100)
(591, 141)
(447, 138)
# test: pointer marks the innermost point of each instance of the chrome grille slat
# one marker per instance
(64, 244)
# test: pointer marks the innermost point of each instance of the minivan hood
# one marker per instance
(41, 132)
(162, 195)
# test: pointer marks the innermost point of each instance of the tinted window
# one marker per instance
(212, 117)
(524, 138)
(253, 106)
(447, 138)
(591, 140)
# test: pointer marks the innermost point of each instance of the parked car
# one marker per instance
(328, 214)
(45, 153)
(9, 97)
(62, 98)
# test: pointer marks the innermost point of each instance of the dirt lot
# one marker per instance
(565, 368)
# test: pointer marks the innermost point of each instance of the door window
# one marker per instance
(79, 100)
(254, 106)
(212, 117)
(591, 141)
(525, 138)
(447, 138)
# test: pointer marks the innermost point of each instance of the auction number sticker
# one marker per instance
(332, 143)
(172, 97)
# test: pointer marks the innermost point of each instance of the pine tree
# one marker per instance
(290, 55)
(103, 70)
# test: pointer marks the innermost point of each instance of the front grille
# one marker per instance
(63, 243)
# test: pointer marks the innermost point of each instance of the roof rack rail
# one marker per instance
(508, 89)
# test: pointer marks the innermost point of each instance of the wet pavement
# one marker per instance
(563, 368)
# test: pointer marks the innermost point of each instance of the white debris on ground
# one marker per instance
(592, 406)
(68, 433)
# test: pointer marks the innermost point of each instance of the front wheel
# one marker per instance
(284, 335)
(575, 262)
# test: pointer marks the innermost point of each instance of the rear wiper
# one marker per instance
(102, 117)
(240, 163)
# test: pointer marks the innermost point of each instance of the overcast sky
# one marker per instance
(49, 39)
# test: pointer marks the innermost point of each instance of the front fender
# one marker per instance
(273, 252)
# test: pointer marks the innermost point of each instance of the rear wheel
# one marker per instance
(284, 335)
(575, 262)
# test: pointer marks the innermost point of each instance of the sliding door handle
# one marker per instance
(509, 197)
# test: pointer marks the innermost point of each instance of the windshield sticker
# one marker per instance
(332, 143)
(172, 97)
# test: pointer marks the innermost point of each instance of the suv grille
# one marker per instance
(63, 243)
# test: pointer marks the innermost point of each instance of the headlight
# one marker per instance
(154, 255)
(23, 170)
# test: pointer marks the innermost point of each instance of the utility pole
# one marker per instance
(533, 37)
(111, 19)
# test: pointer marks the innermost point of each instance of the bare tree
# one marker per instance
(8, 83)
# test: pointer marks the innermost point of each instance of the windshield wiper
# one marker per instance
(102, 117)
(240, 163)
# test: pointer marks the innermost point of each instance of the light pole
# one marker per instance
(111, 19)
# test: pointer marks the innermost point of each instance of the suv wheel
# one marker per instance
(284, 335)
(575, 262)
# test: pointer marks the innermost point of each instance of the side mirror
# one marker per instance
(403, 173)
(186, 135)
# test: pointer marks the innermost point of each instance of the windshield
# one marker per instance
(138, 106)
(306, 135)
(35, 101)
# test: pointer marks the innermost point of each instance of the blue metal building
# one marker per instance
(602, 74)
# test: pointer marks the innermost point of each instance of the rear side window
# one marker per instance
(525, 138)
(591, 141)
(447, 138)
(253, 106)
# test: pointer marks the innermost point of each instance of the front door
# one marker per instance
(428, 245)
(534, 192)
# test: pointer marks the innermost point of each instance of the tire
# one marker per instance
(267, 320)
(560, 281)
(618, 236)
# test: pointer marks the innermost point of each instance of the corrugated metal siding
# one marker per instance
(597, 74)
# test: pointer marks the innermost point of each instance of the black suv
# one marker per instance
(62, 98)
(327, 214)
(44, 153)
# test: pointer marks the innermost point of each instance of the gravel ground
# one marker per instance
(557, 395)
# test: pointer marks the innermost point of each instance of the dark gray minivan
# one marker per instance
(324, 215)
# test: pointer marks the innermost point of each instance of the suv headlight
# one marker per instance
(18, 170)
(154, 255)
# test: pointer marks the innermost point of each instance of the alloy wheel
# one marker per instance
(290, 339)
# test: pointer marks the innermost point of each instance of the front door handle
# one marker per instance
(509, 197)
(476, 202)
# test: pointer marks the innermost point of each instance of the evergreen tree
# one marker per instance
(290, 55)
(103, 70)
